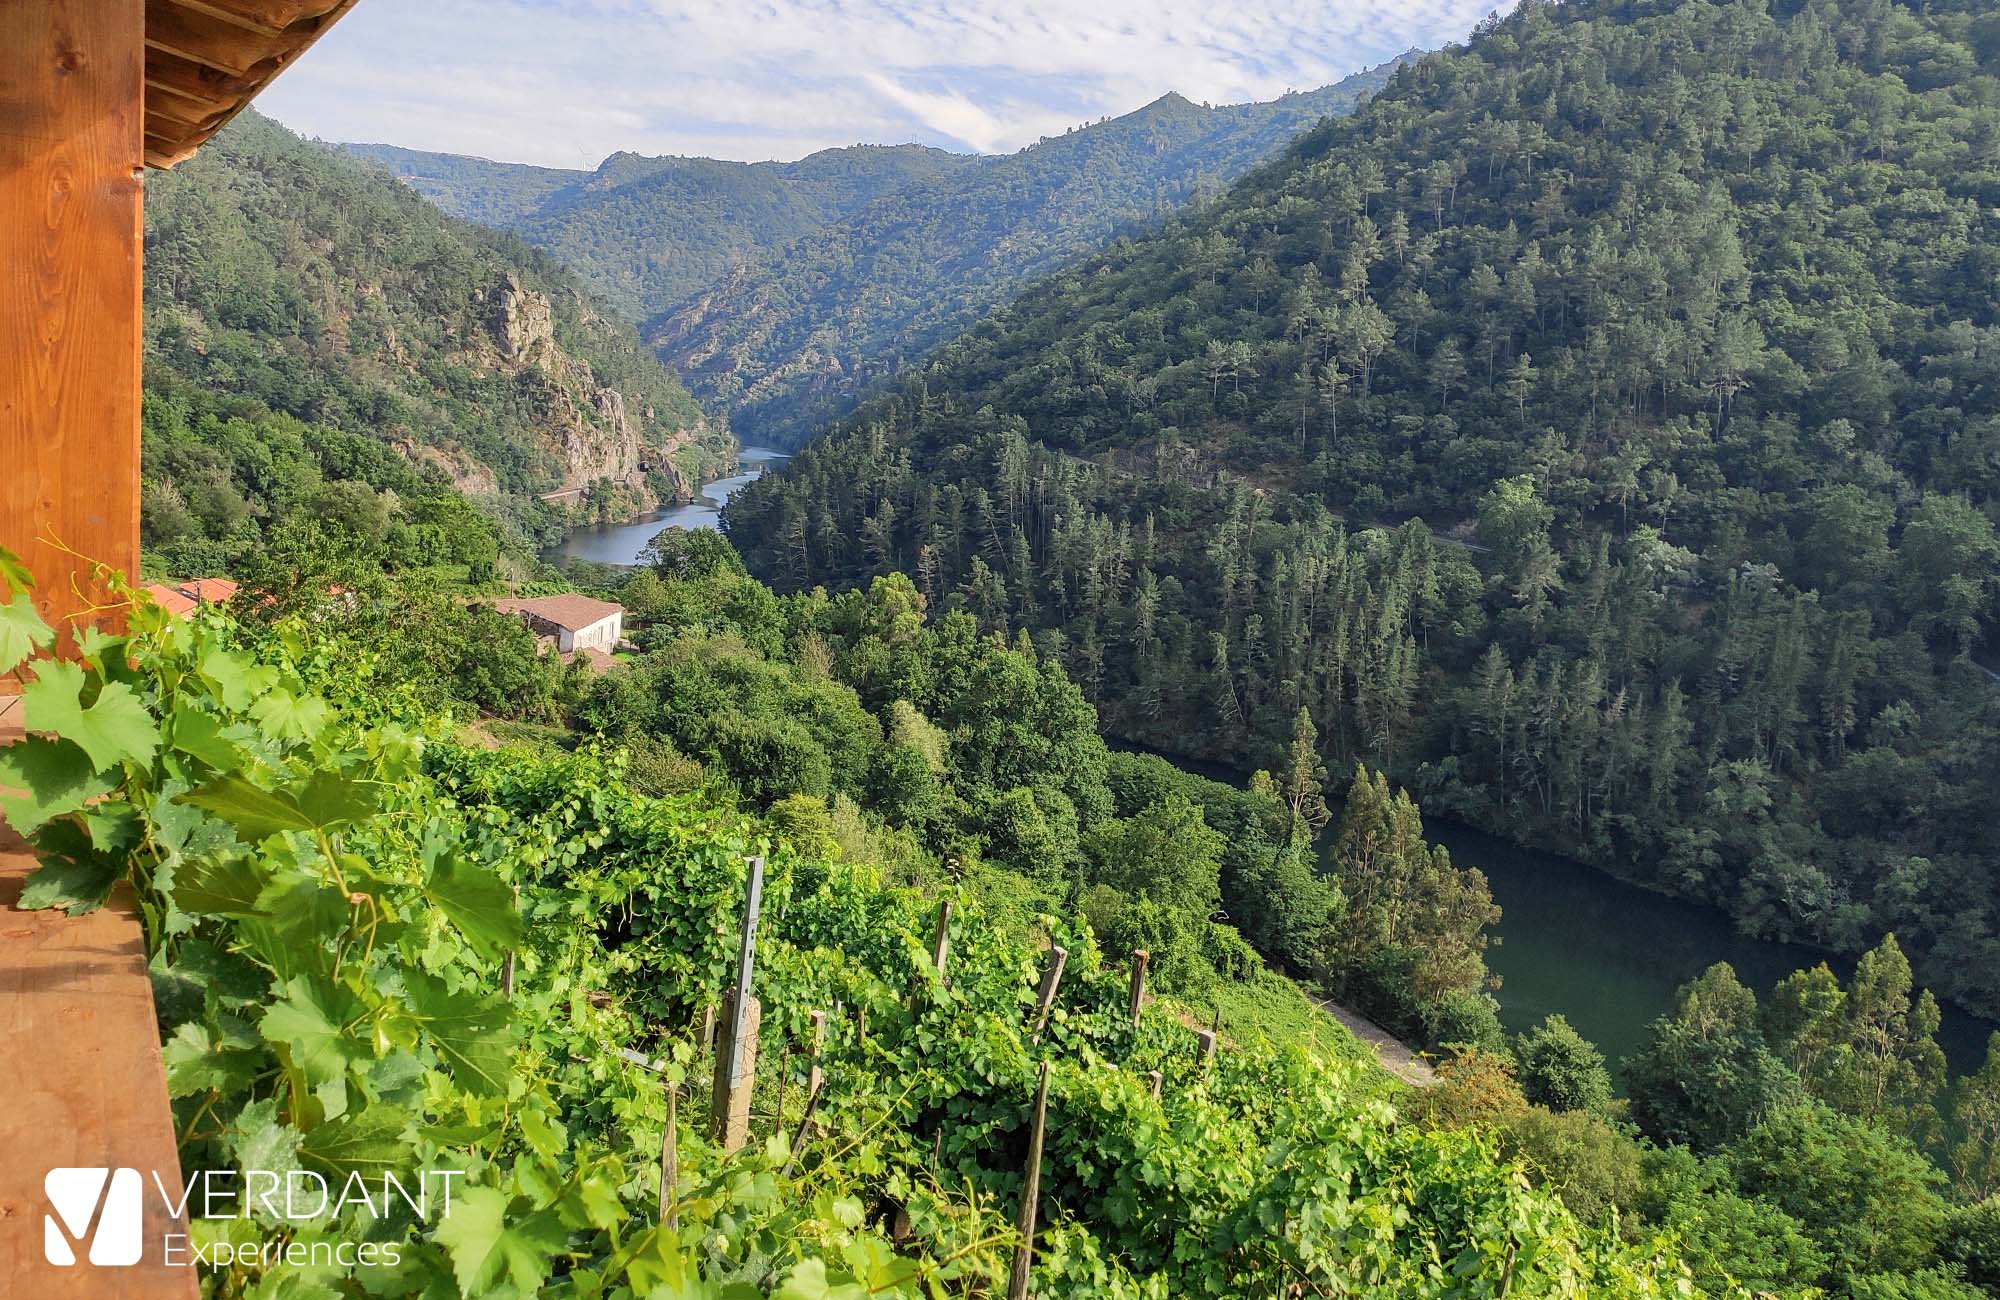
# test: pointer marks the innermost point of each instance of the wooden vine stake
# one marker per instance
(784, 1077)
(1045, 1001)
(941, 940)
(814, 1074)
(670, 1162)
(1031, 1193)
(799, 1133)
(1140, 959)
(507, 969)
(736, 1053)
(1154, 1082)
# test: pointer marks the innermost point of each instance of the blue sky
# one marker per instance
(564, 84)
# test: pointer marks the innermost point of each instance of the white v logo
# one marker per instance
(76, 1195)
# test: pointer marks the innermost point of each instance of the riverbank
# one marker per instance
(1607, 953)
(621, 545)
(1396, 1056)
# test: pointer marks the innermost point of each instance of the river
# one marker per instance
(1609, 955)
(621, 544)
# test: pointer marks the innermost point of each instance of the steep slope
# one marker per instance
(474, 189)
(1679, 314)
(282, 271)
(784, 341)
(646, 232)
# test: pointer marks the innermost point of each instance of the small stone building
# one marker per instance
(574, 622)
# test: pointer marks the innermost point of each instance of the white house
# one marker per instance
(575, 622)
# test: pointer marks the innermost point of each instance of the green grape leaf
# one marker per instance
(311, 1019)
(197, 1065)
(366, 1142)
(256, 813)
(54, 778)
(14, 573)
(115, 729)
(472, 1033)
(199, 735)
(490, 1238)
(75, 886)
(74, 874)
(261, 1141)
(221, 885)
(809, 1282)
(286, 716)
(22, 632)
(331, 799)
(237, 679)
(479, 903)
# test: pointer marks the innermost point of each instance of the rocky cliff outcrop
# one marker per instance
(587, 427)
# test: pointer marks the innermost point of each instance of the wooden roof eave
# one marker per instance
(207, 59)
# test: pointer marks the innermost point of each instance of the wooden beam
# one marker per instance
(268, 16)
(218, 55)
(210, 42)
(72, 95)
(212, 90)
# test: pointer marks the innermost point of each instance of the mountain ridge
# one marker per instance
(1679, 309)
(289, 273)
(787, 341)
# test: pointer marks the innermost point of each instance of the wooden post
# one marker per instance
(1140, 958)
(861, 1026)
(784, 1072)
(941, 940)
(735, 1071)
(1154, 1082)
(799, 1133)
(72, 143)
(708, 1028)
(1206, 1039)
(736, 1054)
(670, 1162)
(1051, 981)
(1031, 1193)
(507, 968)
(814, 1074)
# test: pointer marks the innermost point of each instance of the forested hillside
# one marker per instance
(378, 950)
(784, 340)
(289, 286)
(647, 232)
(1673, 325)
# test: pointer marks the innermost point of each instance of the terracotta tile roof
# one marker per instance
(571, 612)
(173, 600)
(210, 591)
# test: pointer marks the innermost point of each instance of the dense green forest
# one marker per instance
(293, 293)
(786, 339)
(1595, 438)
(882, 759)
(1599, 431)
(645, 233)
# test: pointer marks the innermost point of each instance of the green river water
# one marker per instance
(1608, 954)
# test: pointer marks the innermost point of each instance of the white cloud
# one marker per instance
(566, 83)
